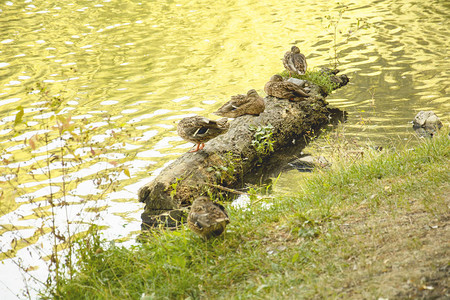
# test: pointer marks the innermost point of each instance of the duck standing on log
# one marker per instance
(199, 130)
(294, 61)
(239, 105)
(279, 88)
(206, 218)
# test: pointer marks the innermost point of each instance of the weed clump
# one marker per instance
(228, 170)
(262, 140)
(317, 77)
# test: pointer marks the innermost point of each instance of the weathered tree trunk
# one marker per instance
(229, 158)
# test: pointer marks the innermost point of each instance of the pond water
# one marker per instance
(124, 72)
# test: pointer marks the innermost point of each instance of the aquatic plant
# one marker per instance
(56, 153)
(333, 22)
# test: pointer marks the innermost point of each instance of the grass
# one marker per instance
(344, 233)
(322, 79)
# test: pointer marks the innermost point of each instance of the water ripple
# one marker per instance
(132, 69)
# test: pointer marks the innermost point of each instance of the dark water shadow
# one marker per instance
(286, 158)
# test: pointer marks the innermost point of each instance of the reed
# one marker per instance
(58, 150)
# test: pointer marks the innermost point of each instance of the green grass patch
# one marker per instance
(317, 77)
(280, 248)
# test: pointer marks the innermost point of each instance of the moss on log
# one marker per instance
(229, 158)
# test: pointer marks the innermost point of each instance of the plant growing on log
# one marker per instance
(322, 79)
(317, 77)
(174, 186)
(221, 172)
(228, 170)
(262, 140)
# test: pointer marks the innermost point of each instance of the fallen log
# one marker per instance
(230, 158)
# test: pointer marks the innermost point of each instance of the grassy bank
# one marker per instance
(377, 227)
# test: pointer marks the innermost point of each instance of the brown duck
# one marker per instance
(199, 130)
(279, 88)
(294, 61)
(239, 105)
(206, 218)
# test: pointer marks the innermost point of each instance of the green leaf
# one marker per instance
(19, 116)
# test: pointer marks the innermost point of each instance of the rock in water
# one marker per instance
(427, 119)
(426, 123)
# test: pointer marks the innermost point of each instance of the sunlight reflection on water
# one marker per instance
(133, 75)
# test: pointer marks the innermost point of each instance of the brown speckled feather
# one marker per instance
(294, 61)
(279, 88)
(239, 105)
(199, 129)
(207, 218)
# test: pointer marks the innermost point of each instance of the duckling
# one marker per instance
(294, 61)
(239, 105)
(207, 218)
(199, 130)
(279, 88)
